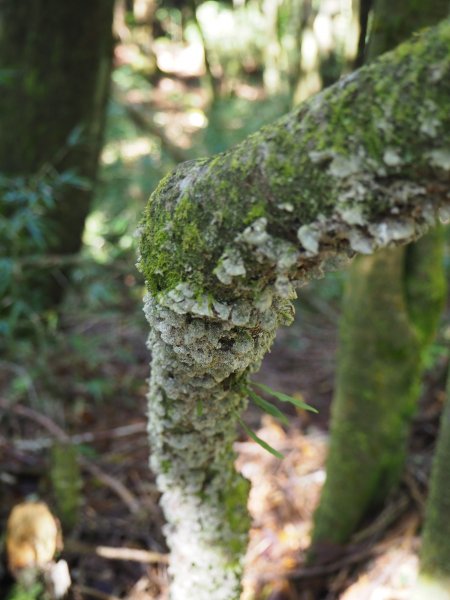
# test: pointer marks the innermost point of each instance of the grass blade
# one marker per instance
(285, 398)
(259, 441)
(268, 407)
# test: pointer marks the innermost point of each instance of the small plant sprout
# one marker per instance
(273, 411)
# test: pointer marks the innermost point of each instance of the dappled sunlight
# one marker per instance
(185, 60)
(128, 150)
(192, 80)
(93, 237)
(283, 497)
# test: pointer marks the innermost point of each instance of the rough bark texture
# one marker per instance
(198, 370)
(390, 312)
(225, 240)
(55, 62)
(434, 581)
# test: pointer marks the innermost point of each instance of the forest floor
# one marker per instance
(83, 385)
(119, 501)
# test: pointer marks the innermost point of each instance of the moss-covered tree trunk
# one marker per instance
(434, 579)
(390, 312)
(378, 382)
(226, 239)
(54, 80)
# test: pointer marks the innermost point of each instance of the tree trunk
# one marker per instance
(434, 579)
(378, 381)
(56, 62)
(391, 310)
(223, 243)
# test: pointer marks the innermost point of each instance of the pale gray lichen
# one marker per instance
(352, 214)
(230, 265)
(392, 158)
(199, 370)
(444, 214)
(440, 158)
(287, 206)
(344, 166)
(430, 123)
(309, 237)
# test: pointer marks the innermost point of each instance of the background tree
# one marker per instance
(55, 71)
(434, 579)
(390, 314)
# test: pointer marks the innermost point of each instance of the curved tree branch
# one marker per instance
(359, 166)
(224, 241)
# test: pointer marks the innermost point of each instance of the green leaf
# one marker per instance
(268, 407)
(259, 441)
(285, 398)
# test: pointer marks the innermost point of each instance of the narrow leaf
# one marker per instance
(259, 441)
(268, 407)
(285, 398)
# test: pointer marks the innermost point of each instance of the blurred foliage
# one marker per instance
(25, 236)
(19, 592)
(89, 355)
(68, 356)
(66, 481)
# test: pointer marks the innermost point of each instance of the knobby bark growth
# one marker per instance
(390, 313)
(55, 71)
(224, 242)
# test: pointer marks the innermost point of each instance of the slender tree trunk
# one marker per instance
(391, 309)
(213, 82)
(223, 243)
(434, 579)
(56, 62)
(378, 381)
(365, 7)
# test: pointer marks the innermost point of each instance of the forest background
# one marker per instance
(187, 81)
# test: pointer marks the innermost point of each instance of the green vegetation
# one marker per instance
(223, 242)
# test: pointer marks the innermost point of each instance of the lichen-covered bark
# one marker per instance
(391, 309)
(199, 368)
(434, 580)
(331, 177)
(224, 242)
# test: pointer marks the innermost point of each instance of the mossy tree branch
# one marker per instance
(363, 165)
(359, 166)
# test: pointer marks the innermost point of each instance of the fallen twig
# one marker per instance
(59, 434)
(81, 438)
(359, 555)
(132, 554)
(390, 514)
